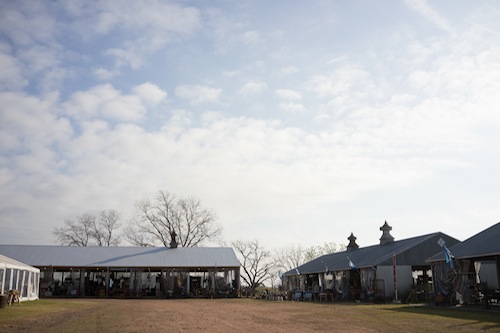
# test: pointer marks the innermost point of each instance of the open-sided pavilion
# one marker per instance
(160, 272)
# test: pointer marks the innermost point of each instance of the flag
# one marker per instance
(327, 271)
(448, 256)
(351, 264)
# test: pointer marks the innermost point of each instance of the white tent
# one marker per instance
(15, 275)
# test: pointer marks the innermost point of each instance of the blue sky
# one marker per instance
(297, 122)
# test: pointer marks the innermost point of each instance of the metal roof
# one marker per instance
(412, 251)
(123, 257)
(482, 245)
(6, 262)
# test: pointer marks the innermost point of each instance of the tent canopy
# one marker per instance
(15, 275)
(131, 257)
(6, 262)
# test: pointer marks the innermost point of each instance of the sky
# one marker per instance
(298, 122)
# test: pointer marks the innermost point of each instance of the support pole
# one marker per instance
(395, 278)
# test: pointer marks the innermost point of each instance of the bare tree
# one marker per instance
(90, 230)
(103, 231)
(256, 262)
(75, 232)
(165, 214)
(295, 255)
(316, 251)
(290, 257)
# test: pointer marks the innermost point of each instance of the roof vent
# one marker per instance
(173, 242)
(386, 235)
(352, 243)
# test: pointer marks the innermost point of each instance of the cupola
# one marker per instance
(352, 243)
(386, 234)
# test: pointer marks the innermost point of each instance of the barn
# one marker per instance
(131, 272)
(392, 269)
(469, 272)
(15, 275)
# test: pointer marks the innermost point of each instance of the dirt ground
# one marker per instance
(201, 315)
(225, 315)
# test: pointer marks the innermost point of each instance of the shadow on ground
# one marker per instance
(476, 315)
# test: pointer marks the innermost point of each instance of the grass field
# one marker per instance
(238, 315)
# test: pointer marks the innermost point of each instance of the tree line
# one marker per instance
(157, 218)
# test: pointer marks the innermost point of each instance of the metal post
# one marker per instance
(395, 278)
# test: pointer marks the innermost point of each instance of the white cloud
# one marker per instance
(150, 93)
(323, 86)
(403, 99)
(337, 60)
(237, 155)
(11, 77)
(253, 87)
(104, 74)
(232, 73)
(288, 94)
(429, 13)
(154, 19)
(392, 112)
(33, 32)
(343, 80)
(30, 122)
(420, 78)
(104, 101)
(250, 37)
(126, 57)
(197, 94)
(289, 70)
(31, 139)
(147, 28)
(420, 52)
(38, 58)
(28, 24)
(179, 122)
(292, 107)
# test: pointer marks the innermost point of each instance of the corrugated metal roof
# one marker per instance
(484, 244)
(6, 262)
(74, 256)
(411, 251)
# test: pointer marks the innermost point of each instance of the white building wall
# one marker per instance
(404, 280)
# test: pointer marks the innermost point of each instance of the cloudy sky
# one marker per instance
(298, 122)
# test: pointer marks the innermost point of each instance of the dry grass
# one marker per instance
(238, 315)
